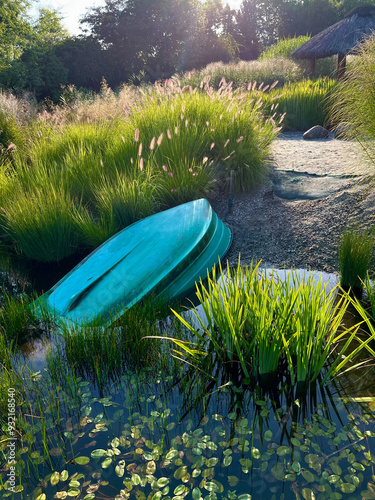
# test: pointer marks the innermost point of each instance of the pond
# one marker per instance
(171, 433)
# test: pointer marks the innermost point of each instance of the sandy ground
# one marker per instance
(316, 189)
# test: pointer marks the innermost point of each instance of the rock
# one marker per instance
(316, 132)
(342, 130)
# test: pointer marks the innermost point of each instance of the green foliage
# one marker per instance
(304, 103)
(243, 73)
(284, 47)
(268, 326)
(102, 352)
(80, 181)
(355, 251)
(354, 98)
(40, 223)
(370, 289)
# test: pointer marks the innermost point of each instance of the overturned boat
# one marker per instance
(163, 255)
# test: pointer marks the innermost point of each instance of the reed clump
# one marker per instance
(355, 252)
(268, 329)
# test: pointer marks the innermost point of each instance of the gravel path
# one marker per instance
(301, 228)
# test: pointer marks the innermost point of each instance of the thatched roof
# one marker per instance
(340, 38)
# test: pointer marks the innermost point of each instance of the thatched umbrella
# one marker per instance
(340, 38)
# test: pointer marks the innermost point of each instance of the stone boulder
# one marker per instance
(316, 132)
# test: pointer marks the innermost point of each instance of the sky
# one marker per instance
(72, 10)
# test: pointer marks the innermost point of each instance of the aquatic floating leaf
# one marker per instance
(227, 460)
(157, 496)
(170, 426)
(73, 492)
(308, 494)
(107, 462)
(347, 487)
(358, 466)
(196, 472)
(151, 467)
(55, 478)
(244, 496)
(99, 453)
(232, 480)
(295, 442)
(74, 483)
(61, 494)
(333, 479)
(336, 469)
(196, 494)
(64, 475)
(41, 497)
(255, 453)
(171, 454)
(136, 479)
(180, 489)
(296, 466)
(180, 472)
(98, 418)
(147, 455)
(163, 481)
(309, 476)
(210, 486)
(283, 450)
(82, 460)
(211, 462)
(120, 471)
(268, 435)
(92, 488)
(90, 496)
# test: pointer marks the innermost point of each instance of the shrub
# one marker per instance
(355, 251)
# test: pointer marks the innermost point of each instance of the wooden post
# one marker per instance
(341, 65)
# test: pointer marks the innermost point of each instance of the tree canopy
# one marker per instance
(148, 40)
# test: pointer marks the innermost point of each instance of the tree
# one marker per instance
(14, 30)
(38, 68)
(247, 32)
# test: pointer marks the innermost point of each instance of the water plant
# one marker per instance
(355, 251)
(265, 326)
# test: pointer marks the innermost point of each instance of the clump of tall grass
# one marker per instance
(79, 176)
(268, 328)
(19, 317)
(240, 74)
(304, 103)
(40, 224)
(103, 352)
(355, 250)
(353, 102)
(284, 47)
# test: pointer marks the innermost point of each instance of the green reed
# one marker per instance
(355, 250)
(270, 328)
(102, 352)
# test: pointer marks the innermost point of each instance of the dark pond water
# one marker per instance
(150, 436)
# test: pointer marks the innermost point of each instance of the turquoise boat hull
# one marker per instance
(163, 255)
